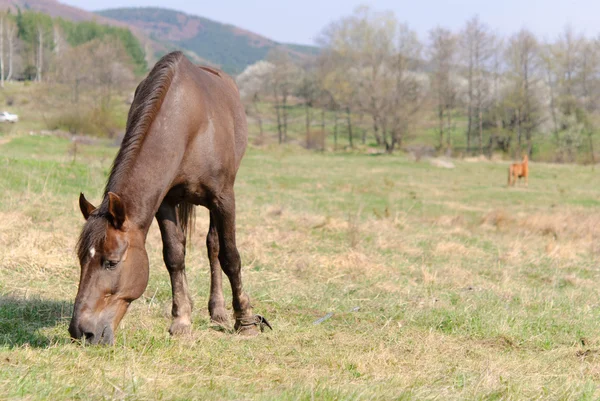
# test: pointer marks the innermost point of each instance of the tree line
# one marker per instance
(474, 91)
(33, 45)
(82, 66)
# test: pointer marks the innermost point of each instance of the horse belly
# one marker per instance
(206, 172)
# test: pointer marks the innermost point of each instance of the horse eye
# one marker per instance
(110, 264)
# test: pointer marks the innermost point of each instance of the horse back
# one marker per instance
(204, 110)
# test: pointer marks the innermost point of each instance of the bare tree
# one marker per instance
(442, 55)
(254, 84)
(57, 40)
(11, 32)
(40, 52)
(338, 87)
(361, 44)
(2, 19)
(587, 77)
(495, 113)
(405, 91)
(282, 84)
(111, 70)
(476, 45)
(308, 90)
(74, 69)
(523, 61)
(99, 67)
(551, 74)
(567, 51)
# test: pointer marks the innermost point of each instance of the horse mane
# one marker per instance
(148, 98)
(147, 101)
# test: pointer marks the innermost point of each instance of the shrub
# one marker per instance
(97, 122)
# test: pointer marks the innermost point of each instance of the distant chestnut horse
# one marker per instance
(517, 171)
(185, 138)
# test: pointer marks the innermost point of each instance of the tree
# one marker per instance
(567, 51)
(405, 92)
(475, 42)
(282, 84)
(253, 83)
(40, 52)
(360, 46)
(100, 67)
(11, 32)
(588, 80)
(33, 29)
(523, 63)
(308, 90)
(495, 112)
(338, 87)
(442, 55)
(548, 62)
(2, 21)
(112, 69)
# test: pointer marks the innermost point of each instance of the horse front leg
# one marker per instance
(173, 239)
(246, 322)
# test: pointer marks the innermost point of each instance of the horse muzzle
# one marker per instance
(92, 333)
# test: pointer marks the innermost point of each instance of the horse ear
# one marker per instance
(116, 209)
(86, 207)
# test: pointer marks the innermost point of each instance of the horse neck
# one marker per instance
(148, 178)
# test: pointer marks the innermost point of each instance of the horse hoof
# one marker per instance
(219, 316)
(249, 331)
(251, 326)
(180, 328)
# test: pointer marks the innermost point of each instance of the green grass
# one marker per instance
(465, 289)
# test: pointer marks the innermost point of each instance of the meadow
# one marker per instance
(434, 283)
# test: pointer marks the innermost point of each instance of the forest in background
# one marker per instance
(375, 86)
(457, 93)
(81, 72)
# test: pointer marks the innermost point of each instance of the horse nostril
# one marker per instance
(74, 332)
(88, 336)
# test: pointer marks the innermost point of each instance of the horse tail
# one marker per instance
(186, 212)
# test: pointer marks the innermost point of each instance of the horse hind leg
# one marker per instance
(216, 302)
(173, 239)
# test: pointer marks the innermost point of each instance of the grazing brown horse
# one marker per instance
(517, 171)
(185, 138)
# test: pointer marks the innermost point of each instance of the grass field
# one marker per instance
(443, 284)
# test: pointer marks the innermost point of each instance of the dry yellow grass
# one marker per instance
(442, 284)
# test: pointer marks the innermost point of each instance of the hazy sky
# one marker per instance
(301, 21)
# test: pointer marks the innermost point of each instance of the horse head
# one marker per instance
(114, 270)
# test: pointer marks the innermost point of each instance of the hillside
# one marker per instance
(56, 9)
(228, 46)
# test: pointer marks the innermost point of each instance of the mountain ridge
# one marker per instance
(226, 45)
(161, 30)
(57, 9)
